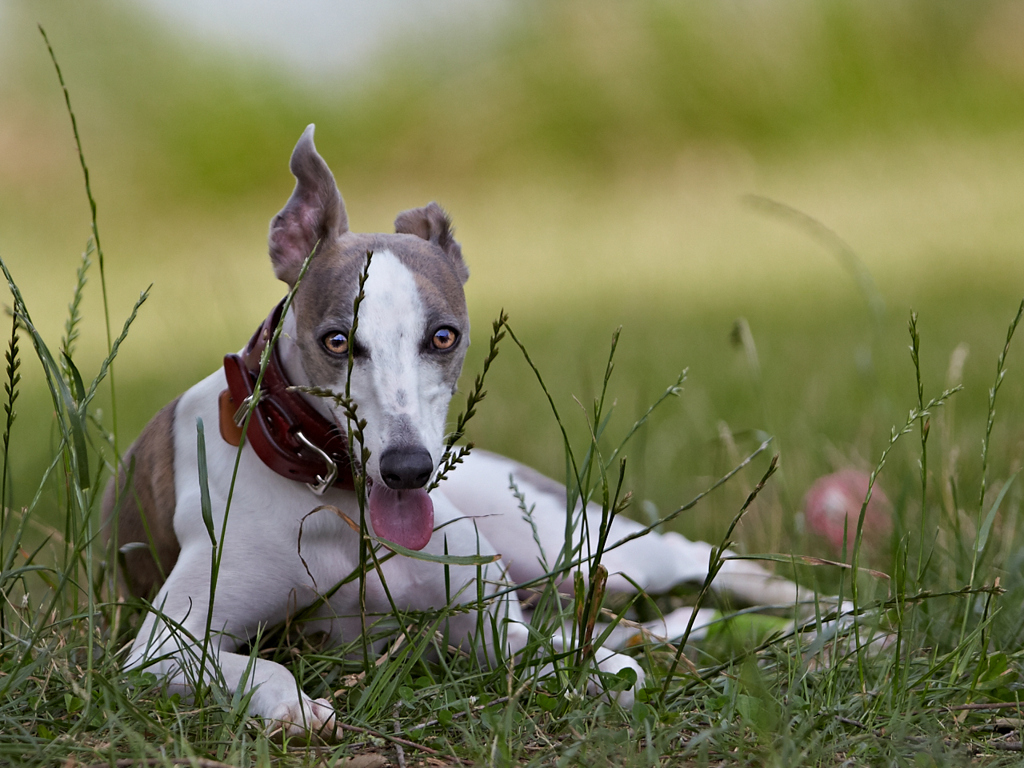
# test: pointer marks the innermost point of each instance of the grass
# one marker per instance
(929, 675)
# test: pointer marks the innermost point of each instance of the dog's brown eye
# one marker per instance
(445, 338)
(336, 343)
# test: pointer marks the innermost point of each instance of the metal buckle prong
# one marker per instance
(322, 483)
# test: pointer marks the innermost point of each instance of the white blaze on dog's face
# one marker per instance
(409, 343)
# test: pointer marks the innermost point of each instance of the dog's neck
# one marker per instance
(287, 428)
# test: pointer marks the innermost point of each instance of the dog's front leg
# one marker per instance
(171, 643)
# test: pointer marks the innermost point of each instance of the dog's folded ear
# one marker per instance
(314, 212)
(431, 223)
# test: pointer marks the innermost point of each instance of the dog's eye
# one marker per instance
(336, 343)
(445, 338)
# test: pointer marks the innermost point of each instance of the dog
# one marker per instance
(292, 530)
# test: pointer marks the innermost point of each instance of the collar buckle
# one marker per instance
(323, 482)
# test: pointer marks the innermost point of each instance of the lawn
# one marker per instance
(766, 217)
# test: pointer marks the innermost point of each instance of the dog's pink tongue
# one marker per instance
(404, 517)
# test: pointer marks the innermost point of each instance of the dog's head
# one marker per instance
(409, 342)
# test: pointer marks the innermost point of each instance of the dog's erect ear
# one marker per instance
(431, 223)
(315, 211)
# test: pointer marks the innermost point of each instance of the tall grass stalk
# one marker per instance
(71, 401)
(916, 415)
(95, 229)
(844, 253)
(714, 566)
(354, 427)
(983, 521)
(10, 395)
(915, 356)
(453, 456)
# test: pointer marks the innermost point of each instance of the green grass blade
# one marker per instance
(204, 482)
(427, 557)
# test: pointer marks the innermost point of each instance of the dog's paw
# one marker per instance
(303, 717)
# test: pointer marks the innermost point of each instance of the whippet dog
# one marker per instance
(278, 556)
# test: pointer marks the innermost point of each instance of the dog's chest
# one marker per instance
(292, 545)
(268, 515)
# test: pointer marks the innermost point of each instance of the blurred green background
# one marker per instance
(597, 159)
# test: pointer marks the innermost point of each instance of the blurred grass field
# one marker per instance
(596, 160)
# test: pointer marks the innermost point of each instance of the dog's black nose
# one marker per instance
(405, 468)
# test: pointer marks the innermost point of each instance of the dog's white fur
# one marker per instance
(403, 393)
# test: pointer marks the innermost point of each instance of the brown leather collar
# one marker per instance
(288, 434)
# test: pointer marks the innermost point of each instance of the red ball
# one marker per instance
(834, 503)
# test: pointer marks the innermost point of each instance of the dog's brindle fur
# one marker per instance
(146, 514)
(402, 387)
